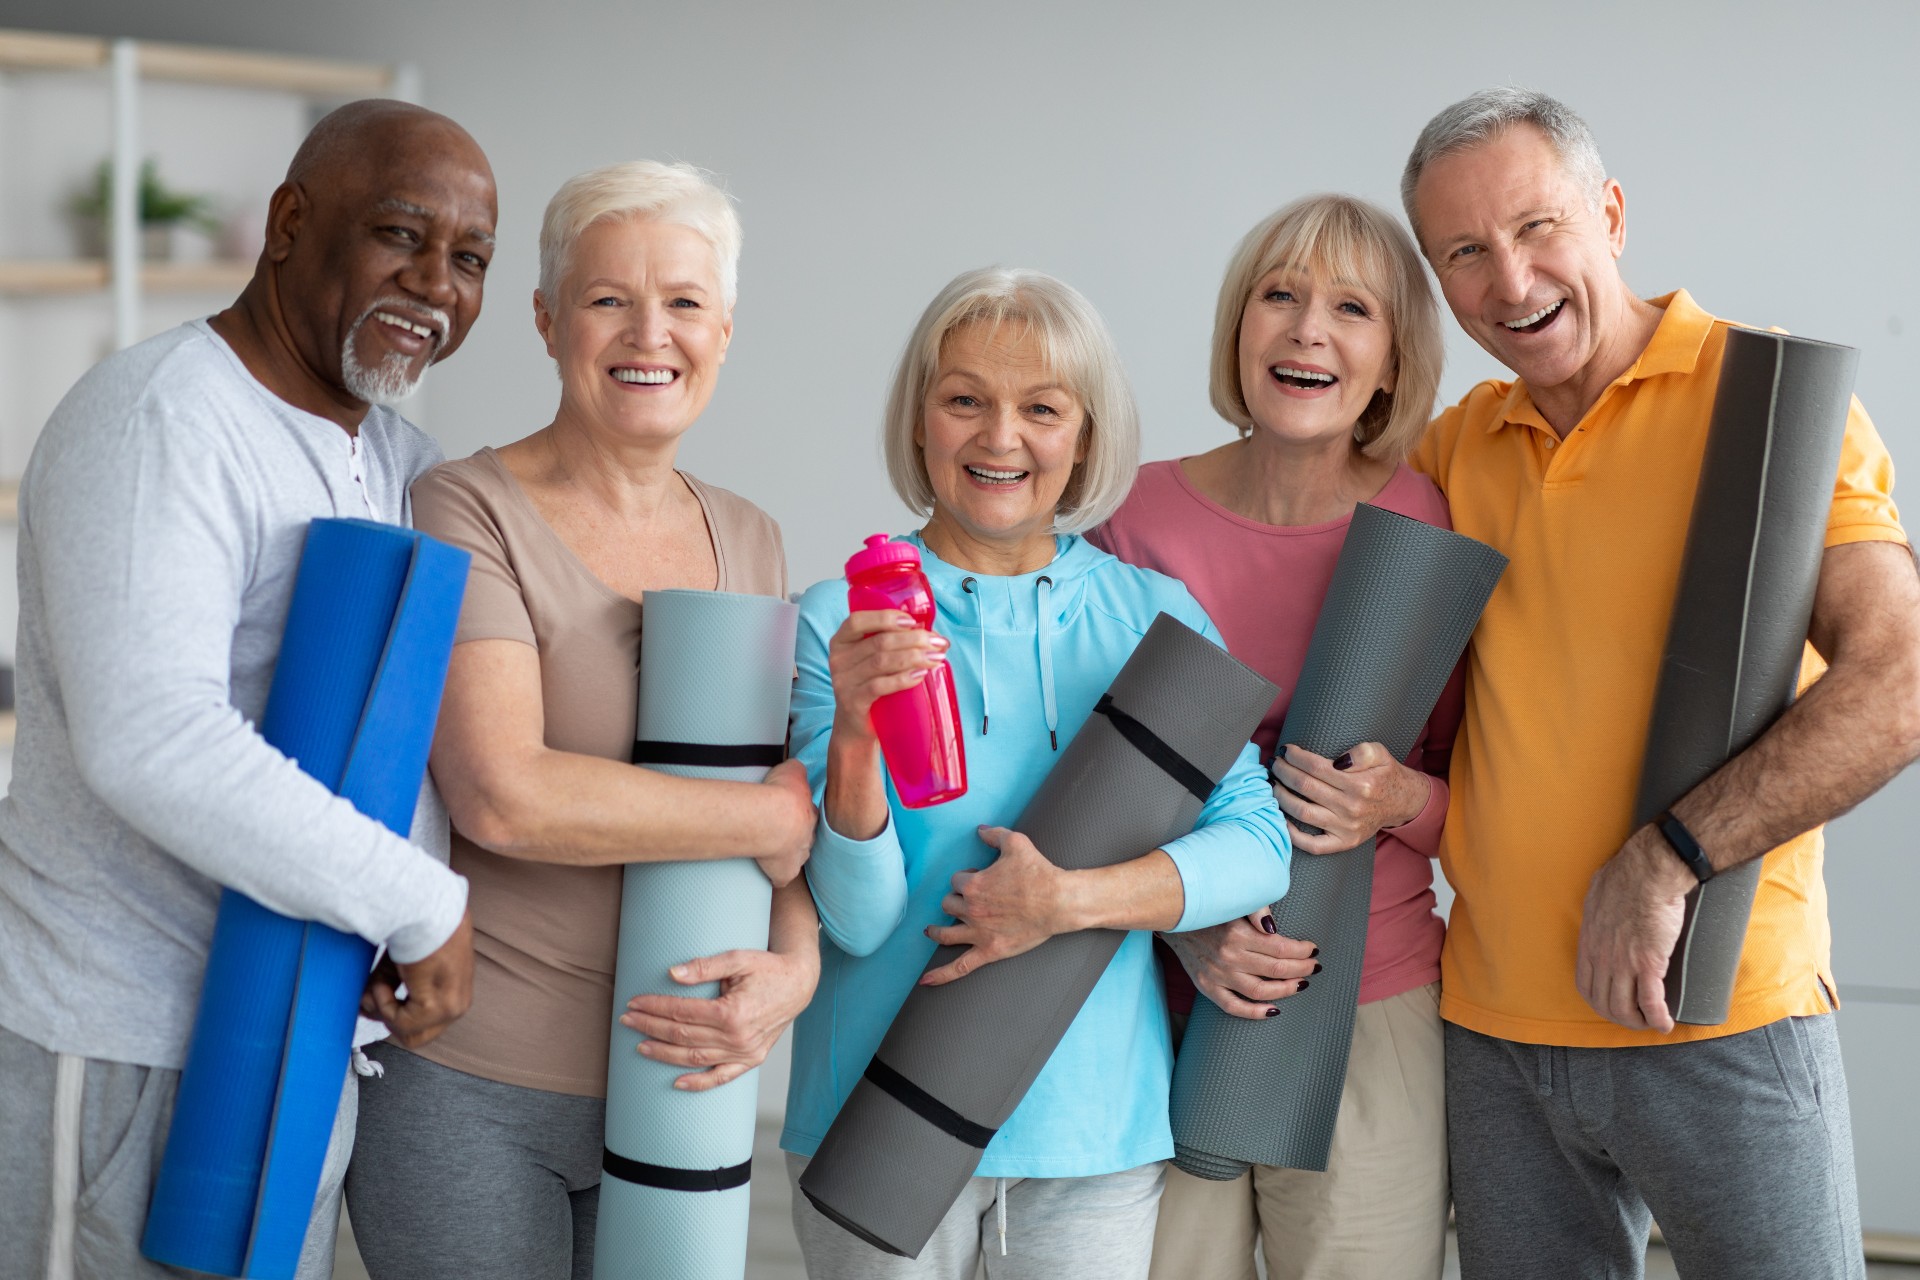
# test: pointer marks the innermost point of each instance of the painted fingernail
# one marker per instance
(1311, 954)
(1302, 986)
(1272, 1012)
(904, 621)
(1286, 751)
(1266, 922)
(1318, 967)
(1345, 761)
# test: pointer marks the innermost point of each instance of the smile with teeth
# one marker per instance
(989, 475)
(645, 377)
(1306, 379)
(1535, 320)
(401, 322)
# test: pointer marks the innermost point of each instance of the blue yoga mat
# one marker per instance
(355, 694)
(716, 673)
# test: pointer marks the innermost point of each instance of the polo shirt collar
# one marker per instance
(1674, 348)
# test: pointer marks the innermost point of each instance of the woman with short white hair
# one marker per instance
(480, 1155)
(1010, 427)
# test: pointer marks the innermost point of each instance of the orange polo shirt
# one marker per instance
(1560, 683)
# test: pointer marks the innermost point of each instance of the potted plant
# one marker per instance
(161, 210)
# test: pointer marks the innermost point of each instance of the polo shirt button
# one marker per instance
(1551, 442)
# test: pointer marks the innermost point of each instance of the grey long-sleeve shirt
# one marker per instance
(161, 521)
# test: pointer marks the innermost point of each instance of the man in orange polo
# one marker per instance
(1575, 1104)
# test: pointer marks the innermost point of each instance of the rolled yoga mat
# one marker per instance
(355, 694)
(716, 675)
(1740, 615)
(1404, 599)
(958, 1058)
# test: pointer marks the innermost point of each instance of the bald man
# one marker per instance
(161, 522)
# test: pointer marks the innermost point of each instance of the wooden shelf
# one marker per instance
(89, 275)
(319, 77)
(9, 499)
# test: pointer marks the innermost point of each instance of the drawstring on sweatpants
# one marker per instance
(1000, 1211)
(365, 1066)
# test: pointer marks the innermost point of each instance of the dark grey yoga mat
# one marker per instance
(1740, 615)
(1404, 599)
(965, 1054)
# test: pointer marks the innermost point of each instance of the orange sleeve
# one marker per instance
(1863, 508)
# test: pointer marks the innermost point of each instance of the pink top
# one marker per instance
(1263, 586)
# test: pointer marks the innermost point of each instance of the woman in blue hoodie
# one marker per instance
(1010, 425)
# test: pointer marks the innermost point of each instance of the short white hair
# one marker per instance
(1076, 348)
(1490, 113)
(677, 193)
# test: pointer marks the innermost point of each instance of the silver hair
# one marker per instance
(677, 193)
(1076, 347)
(1491, 112)
(394, 378)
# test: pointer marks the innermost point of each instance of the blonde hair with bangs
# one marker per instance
(677, 193)
(1076, 348)
(1334, 237)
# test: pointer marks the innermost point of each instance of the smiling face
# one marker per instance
(1313, 352)
(1001, 436)
(639, 328)
(383, 269)
(1528, 265)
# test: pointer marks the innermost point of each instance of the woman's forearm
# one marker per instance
(1146, 893)
(855, 799)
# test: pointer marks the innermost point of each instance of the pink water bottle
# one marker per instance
(918, 728)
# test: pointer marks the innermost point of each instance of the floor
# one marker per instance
(773, 1254)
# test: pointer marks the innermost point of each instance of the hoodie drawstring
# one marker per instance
(968, 585)
(1044, 608)
(1000, 1211)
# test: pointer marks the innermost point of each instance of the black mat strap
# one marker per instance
(669, 1179)
(702, 755)
(1148, 744)
(926, 1106)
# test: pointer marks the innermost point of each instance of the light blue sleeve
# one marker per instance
(1236, 858)
(859, 886)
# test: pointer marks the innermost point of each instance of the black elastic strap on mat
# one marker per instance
(659, 1175)
(926, 1106)
(1148, 744)
(702, 755)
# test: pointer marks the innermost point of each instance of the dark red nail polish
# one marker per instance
(1318, 967)
(1345, 761)
(1266, 922)
(1302, 986)
(1311, 954)
(1272, 1012)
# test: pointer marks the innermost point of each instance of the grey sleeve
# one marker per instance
(141, 534)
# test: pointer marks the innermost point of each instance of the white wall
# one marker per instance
(877, 148)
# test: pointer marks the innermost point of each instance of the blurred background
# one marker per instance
(876, 149)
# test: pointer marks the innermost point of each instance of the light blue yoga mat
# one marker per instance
(355, 694)
(716, 673)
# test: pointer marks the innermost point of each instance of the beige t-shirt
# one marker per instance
(544, 936)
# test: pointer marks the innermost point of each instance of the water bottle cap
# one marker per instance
(880, 552)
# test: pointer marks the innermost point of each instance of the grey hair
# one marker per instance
(677, 193)
(1078, 350)
(1491, 112)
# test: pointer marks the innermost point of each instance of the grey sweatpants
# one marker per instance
(1094, 1228)
(1740, 1147)
(82, 1141)
(456, 1177)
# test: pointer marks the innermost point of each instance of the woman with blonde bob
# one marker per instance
(479, 1155)
(1010, 428)
(1326, 357)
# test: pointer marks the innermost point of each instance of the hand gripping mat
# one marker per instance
(958, 1058)
(1404, 599)
(1741, 611)
(716, 675)
(355, 694)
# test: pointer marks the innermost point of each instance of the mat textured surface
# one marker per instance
(1740, 614)
(716, 675)
(356, 690)
(967, 1052)
(1404, 599)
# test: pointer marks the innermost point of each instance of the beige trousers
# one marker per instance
(1379, 1212)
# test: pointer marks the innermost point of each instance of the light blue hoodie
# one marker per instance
(1100, 1103)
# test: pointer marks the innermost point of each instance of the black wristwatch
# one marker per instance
(1682, 842)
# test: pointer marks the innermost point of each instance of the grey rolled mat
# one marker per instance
(715, 679)
(1404, 599)
(1740, 615)
(958, 1058)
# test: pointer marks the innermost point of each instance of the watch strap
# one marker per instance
(1682, 842)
